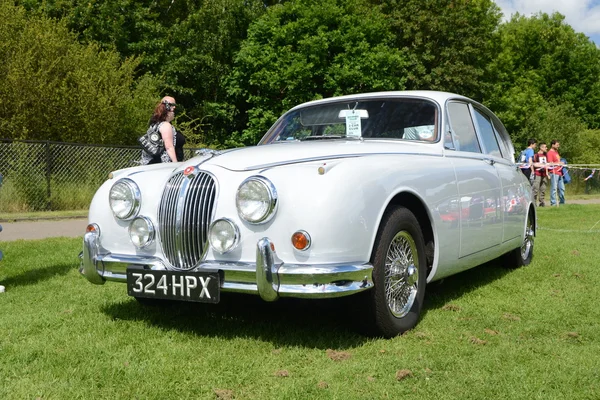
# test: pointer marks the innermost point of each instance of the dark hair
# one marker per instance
(159, 114)
(531, 141)
(542, 144)
(552, 143)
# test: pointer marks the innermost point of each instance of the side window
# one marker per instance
(487, 134)
(450, 140)
(502, 137)
(463, 128)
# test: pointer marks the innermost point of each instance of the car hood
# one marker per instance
(266, 156)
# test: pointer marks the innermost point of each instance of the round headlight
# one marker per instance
(124, 199)
(256, 200)
(223, 235)
(141, 232)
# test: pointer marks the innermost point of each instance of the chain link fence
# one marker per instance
(49, 176)
(40, 176)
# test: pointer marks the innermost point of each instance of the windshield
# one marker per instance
(405, 119)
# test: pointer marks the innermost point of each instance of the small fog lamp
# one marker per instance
(301, 240)
(223, 235)
(141, 232)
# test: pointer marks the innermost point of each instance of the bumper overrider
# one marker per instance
(268, 277)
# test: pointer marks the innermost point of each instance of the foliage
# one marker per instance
(448, 42)
(305, 50)
(188, 45)
(235, 65)
(542, 62)
(590, 143)
(56, 89)
(554, 122)
(488, 329)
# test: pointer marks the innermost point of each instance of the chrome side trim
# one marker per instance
(334, 157)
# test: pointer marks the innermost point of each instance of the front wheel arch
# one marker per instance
(418, 208)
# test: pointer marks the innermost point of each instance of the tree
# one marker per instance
(305, 50)
(543, 59)
(188, 45)
(448, 42)
(555, 122)
(54, 88)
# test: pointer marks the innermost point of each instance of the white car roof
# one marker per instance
(439, 97)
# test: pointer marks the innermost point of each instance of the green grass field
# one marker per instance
(488, 333)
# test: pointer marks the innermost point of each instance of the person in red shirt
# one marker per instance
(557, 185)
(540, 165)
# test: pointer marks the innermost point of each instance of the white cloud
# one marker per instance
(582, 15)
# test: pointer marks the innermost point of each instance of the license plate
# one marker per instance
(198, 286)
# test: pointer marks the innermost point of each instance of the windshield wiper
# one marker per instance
(329, 137)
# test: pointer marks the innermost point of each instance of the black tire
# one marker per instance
(522, 256)
(398, 259)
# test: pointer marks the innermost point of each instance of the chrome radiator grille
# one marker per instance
(184, 215)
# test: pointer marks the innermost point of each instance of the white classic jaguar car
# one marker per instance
(371, 195)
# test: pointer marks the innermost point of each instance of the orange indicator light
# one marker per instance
(91, 228)
(301, 240)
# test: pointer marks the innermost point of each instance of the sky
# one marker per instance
(582, 15)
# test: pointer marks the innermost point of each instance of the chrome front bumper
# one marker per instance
(268, 277)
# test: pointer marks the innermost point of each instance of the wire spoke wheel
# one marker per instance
(401, 274)
(394, 304)
(522, 255)
(527, 246)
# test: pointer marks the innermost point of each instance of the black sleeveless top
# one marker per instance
(179, 142)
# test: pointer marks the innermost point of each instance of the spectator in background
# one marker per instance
(163, 115)
(540, 166)
(526, 159)
(557, 185)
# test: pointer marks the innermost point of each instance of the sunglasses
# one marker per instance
(169, 106)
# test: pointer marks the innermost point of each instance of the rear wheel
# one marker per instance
(399, 274)
(523, 255)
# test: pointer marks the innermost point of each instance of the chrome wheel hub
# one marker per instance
(527, 241)
(401, 274)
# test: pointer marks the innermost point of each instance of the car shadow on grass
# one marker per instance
(440, 293)
(286, 322)
(323, 324)
(35, 276)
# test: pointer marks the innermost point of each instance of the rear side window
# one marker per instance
(503, 140)
(486, 132)
(463, 129)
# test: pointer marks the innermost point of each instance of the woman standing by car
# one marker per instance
(173, 141)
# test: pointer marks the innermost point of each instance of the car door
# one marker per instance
(479, 184)
(513, 196)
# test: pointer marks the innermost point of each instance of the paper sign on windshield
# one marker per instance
(353, 127)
